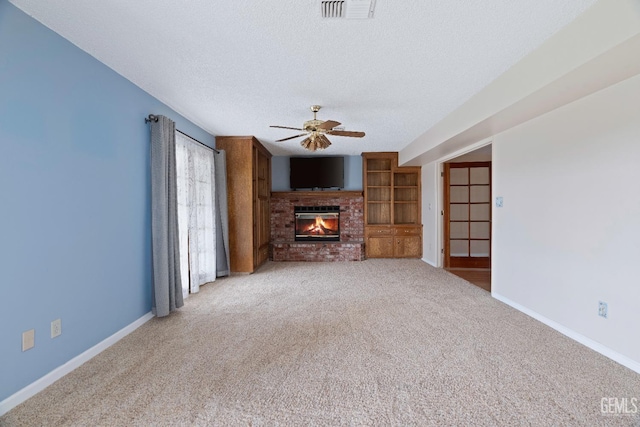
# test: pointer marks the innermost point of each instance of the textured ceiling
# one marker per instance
(236, 67)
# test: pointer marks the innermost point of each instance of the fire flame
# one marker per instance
(319, 227)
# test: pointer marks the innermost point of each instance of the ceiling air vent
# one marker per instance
(360, 9)
(349, 9)
(333, 9)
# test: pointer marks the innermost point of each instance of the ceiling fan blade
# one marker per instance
(291, 137)
(329, 124)
(346, 133)
(285, 127)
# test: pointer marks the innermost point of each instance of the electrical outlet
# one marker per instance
(28, 339)
(56, 328)
(499, 202)
(602, 309)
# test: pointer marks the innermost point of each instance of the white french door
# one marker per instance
(196, 213)
(467, 215)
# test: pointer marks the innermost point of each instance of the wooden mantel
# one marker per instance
(315, 194)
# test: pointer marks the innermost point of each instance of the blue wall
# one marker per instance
(74, 198)
(280, 173)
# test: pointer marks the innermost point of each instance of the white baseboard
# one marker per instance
(42, 383)
(430, 262)
(593, 345)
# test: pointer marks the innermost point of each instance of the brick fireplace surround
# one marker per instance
(351, 244)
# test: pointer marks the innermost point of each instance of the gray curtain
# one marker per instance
(222, 214)
(167, 286)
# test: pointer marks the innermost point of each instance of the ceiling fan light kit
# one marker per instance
(315, 142)
(316, 131)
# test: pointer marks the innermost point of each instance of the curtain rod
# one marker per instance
(201, 143)
(153, 118)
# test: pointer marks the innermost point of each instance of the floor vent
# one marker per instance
(349, 9)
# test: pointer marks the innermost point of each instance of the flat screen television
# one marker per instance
(316, 172)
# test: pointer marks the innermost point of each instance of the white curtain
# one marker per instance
(196, 213)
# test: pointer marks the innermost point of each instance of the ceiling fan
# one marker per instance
(316, 131)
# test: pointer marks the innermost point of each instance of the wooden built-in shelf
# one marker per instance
(392, 207)
(248, 188)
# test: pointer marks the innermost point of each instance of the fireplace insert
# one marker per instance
(317, 223)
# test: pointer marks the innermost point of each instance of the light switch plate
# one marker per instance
(499, 202)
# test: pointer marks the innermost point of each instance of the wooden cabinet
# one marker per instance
(408, 242)
(391, 207)
(379, 241)
(248, 192)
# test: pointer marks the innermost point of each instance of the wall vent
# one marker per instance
(349, 9)
(333, 9)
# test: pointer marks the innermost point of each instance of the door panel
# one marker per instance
(467, 215)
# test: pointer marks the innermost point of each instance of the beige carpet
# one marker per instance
(379, 342)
